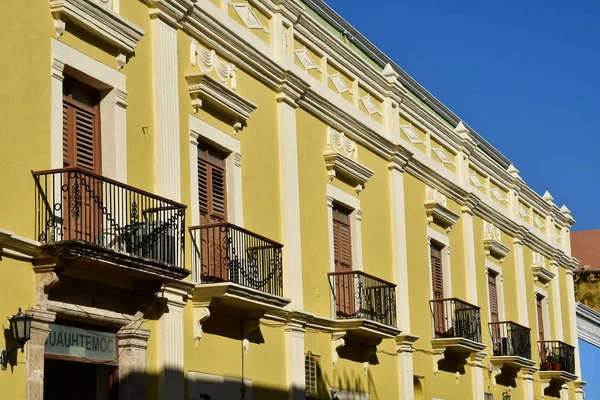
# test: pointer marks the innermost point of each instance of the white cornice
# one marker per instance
(204, 88)
(211, 26)
(588, 324)
(17, 247)
(97, 20)
(341, 166)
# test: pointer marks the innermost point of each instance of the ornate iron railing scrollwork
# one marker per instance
(74, 204)
(360, 295)
(510, 339)
(453, 318)
(224, 252)
(556, 356)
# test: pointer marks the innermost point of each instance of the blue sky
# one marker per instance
(524, 74)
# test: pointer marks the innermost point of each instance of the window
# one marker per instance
(493, 293)
(540, 317)
(342, 241)
(437, 274)
(310, 368)
(212, 187)
(81, 126)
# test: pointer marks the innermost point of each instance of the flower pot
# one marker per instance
(556, 366)
(546, 366)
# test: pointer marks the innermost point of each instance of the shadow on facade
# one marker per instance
(198, 388)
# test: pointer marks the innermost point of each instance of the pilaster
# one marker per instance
(404, 347)
(525, 382)
(40, 329)
(167, 168)
(573, 322)
(556, 302)
(290, 199)
(521, 279)
(294, 341)
(170, 341)
(399, 237)
(476, 365)
(469, 243)
(132, 341)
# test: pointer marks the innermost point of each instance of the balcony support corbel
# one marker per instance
(337, 342)
(201, 315)
(249, 326)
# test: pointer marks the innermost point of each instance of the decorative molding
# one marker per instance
(475, 181)
(337, 342)
(411, 134)
(341, 166)
(208, 61)
(247, 15)
(498, 195)
(436, 210)
(588, 324)
(540, 272)
(339, 83)
(338, 141)
(492, 241)
(204, 88)
(97, 19)
(369, 105)
(441, 154)
(201, 314)
(306, 60)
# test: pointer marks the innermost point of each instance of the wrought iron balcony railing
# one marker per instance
(556, 356)
(510, 339)
(360, 295)
(74, 205)
(454, 318)
(225, 252)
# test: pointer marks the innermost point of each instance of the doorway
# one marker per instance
(65, 379)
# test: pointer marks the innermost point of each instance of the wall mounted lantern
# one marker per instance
(20, 326)
(506, 394)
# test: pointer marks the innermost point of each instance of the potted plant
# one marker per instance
(553, 360)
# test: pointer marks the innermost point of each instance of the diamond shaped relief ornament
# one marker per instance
(441, 154)
(498, 195)
(339, 84)
(475, 181)
(306, 60)
(411, 134)
(247, 15)
(370, 105)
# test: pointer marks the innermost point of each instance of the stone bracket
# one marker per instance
(201, 315)
(337, 342)
(249, 326)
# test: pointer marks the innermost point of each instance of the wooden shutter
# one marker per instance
(81, 126)
(212, 185)
(342, 240)
(437, 274)
(493, 292)
(540, 316)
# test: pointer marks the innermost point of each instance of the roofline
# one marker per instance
(379, 57)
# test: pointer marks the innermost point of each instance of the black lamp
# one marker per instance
(20, 326)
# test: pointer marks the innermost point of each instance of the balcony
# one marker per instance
(363, 305)
(237, 268)
(511, 349)
(106, 226)
(557, 364)
(457, 329)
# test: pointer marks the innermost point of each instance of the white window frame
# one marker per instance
(111, 84)
(538, 291)
(442, 240)
(201, 131)
(335, 195)
(491, 266)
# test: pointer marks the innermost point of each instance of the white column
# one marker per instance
(167, 169)
(404, 346)
(294, 341)
(290, 200)
(476, 365)
(120, 135)
(400, 257)
(469, 243)
(170, 344)
(525, 381)
(521, 287)
(56, 114)
(556, 302)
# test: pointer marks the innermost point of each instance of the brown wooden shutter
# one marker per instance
(492, 288)
(540, 316)
(81, 126)
(437, 274)
(212, 189)
(342, 240)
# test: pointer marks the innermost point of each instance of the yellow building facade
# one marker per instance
(223, 199)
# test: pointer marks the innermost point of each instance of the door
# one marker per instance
(494, 319)
(82, 195)
(212, 198)
(342, 249)
(437, 276)
(79, 380)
